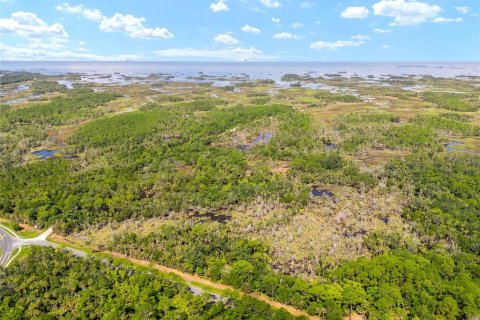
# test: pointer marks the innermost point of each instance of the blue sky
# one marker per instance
(239, 30)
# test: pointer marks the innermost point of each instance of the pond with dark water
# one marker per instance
(212, 217)
(322, 193)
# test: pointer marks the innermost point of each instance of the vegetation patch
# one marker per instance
(132, 293)
(9, 77)
(45, 86)
(453, 101)
(329, 98)
(445, 197)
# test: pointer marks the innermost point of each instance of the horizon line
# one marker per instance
(246, 62)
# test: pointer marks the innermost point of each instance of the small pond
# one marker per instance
(209, 216)
(262, 138)
(22, 87)
(453, 145)
(45, 154)
(322, 193)
(458, 146)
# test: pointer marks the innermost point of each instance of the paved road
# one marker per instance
(9, 243)
(6, 244)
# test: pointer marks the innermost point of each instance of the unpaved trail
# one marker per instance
(190, 278)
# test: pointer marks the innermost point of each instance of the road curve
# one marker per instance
(6, 244)
(9, 241)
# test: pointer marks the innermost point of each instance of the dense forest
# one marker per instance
(445, 197)
(50, 284)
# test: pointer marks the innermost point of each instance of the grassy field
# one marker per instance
(21, 231)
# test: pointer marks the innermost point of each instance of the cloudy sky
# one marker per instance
(239, 30)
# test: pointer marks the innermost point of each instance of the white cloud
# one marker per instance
(386, 46)
(446, 20)
(45, 45)
(406, 13)
(90, 14)
(276, 20)
(307, 4)
(29, 53)
(219, 6)
(360, 37)
(355, 41)
(378, 30)
(250, 29)
(463, 10)
(271, 3)
(226, 39)
(235, 54)
(285, 35)
(133, 27)
(126, 23)
(29, 25)
(355, 13)
(297, 25)
(320, 45)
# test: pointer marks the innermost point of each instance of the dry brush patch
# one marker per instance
(333, 229)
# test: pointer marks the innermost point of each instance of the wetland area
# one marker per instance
(313, 184)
